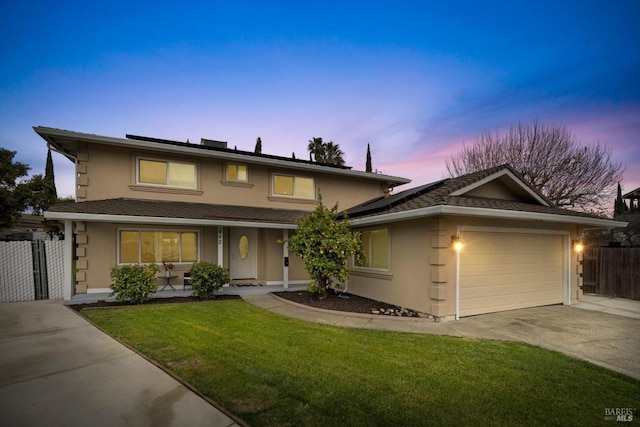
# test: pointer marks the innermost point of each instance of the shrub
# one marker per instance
(207, 278)
(133, 282)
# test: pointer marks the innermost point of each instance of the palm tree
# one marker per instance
(317, 148)
(333, 154)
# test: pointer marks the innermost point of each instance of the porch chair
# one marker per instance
(186, 281)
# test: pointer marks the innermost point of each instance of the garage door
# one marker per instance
(505, 271)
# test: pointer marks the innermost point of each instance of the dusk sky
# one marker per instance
(415, 79)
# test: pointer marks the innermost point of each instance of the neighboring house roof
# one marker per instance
(66, 142)
(454, 196)
(125, 210)
(634, 194)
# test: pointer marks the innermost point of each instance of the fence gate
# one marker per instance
(40, 279)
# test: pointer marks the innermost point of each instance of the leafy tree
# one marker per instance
(368, 167)
(550, 158)
(38, 194)
(325, 244)
(12, 202)
(258, 149)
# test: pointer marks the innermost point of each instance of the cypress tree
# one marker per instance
(49, 175)
(619, 207)
(368, 167)
(258, 149)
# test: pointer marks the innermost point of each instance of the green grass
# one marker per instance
(273, 370)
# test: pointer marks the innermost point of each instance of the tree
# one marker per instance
(38, 194)
(333, 155)
(325, 244)
(325, 152)
(619, 206)
(49, 175)
(550, 158)
(316, 149)
(258, 149)
(368, 167)
(12, 202)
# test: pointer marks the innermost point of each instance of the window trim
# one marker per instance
(168, 162)
(293, 196)
(367, 268)
(119, 230)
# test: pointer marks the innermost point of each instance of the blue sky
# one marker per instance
(414, 79)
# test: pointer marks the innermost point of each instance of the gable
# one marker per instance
(502, 185)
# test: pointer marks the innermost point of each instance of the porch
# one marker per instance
(240, 290)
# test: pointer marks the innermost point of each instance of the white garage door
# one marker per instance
(505, 271)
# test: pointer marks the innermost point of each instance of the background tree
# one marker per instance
(12, 202)
(316, 149)
(258, 149)
(333, 155)
(325, 244)
(619, 206)
(38, 194)
(368, 167)
(326, 153)
(49, 174)
(550, 158)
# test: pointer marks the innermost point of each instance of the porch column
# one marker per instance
(220, 247)
(67, 288)
(285, 255)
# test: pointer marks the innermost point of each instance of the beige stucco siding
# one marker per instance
(108, 172)
(423, 266)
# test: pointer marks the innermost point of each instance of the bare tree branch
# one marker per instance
(550, 158)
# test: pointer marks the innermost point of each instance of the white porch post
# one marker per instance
(220, 247)
(285, 255)
(67, 289)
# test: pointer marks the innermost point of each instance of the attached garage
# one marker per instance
(507, 269)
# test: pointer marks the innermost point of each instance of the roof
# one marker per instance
(167, 212)
(66, 142)
(634, 194)
(448, 196)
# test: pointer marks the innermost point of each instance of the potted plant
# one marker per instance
(167, 268)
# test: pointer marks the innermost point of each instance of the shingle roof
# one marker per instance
(168, 209)
(439, 193)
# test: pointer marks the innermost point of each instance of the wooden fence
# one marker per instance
(612, 272)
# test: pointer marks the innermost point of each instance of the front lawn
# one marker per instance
(273, 370)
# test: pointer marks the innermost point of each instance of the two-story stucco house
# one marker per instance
(150, 200)
(142, 200)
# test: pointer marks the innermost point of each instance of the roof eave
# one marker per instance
(48, 134)
(130, 219)
(486, 213)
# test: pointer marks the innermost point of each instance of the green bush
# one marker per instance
(207, 278)
(133, 283)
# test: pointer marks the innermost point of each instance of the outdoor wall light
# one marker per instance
(578, 246)
(456, 242)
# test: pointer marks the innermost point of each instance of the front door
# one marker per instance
(243, 244)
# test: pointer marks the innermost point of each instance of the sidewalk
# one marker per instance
(58, 369)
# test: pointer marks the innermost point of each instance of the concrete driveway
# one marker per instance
(58, 369)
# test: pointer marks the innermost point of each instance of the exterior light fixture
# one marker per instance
(456, 242)
(578, 246)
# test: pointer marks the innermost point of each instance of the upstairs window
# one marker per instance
(294, 186)
(167, 173)
(375, 244)
(236, 172)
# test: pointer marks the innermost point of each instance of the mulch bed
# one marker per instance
(337, 302)
(152, 301)
(348, 302)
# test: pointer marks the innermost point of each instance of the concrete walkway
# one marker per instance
(589, 333)
(58, 369)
